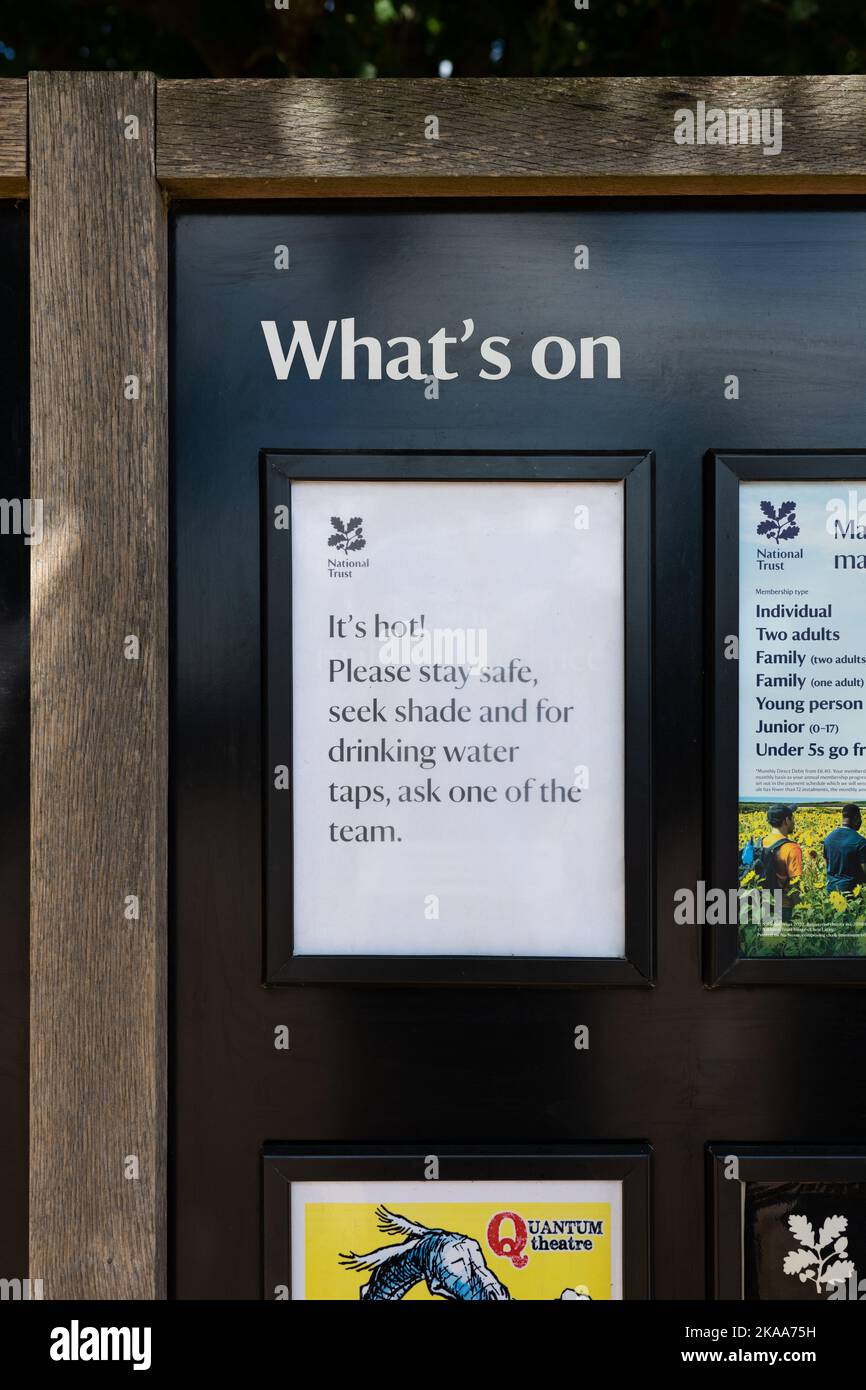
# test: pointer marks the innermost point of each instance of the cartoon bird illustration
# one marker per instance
(450, 1264)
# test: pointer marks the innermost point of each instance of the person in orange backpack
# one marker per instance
(780, 863)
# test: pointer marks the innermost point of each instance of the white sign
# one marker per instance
(458, 759)
(802, 646)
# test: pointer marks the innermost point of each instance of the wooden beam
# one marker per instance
(99, 728)
(277, 138)
(13, 137)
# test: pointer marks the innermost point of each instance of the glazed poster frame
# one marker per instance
(282, 965)
(723, 963)
(762, 1163)
(629, 1164)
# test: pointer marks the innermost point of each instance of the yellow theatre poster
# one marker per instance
(465, 1241)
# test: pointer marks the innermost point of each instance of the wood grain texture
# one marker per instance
(539, 136)
(99, 731)
(13, 137)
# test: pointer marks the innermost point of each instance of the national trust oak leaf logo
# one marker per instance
(814, 1261)
(349, 537)
(780, 523)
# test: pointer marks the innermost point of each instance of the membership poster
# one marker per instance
(802, 731)
(458, 742)
(464, 1241)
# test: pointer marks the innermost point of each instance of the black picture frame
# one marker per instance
(278, 470)
(723, 964)
(627, 1163)
(761, 1163)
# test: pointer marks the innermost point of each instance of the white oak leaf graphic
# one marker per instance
(801, 1229)
(795, 1260)
(832, 1229)
(811, 1264)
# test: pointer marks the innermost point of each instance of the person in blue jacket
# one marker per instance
(845, 853)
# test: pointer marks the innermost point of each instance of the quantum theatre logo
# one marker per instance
(779, 524)
(347, 538)
(514, 1237)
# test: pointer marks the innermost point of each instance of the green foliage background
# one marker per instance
(479, 38)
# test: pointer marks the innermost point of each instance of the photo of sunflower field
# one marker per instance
(822, 924)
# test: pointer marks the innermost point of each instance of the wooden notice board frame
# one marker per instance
(15, 552)
(13, 137)
(107, 153)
